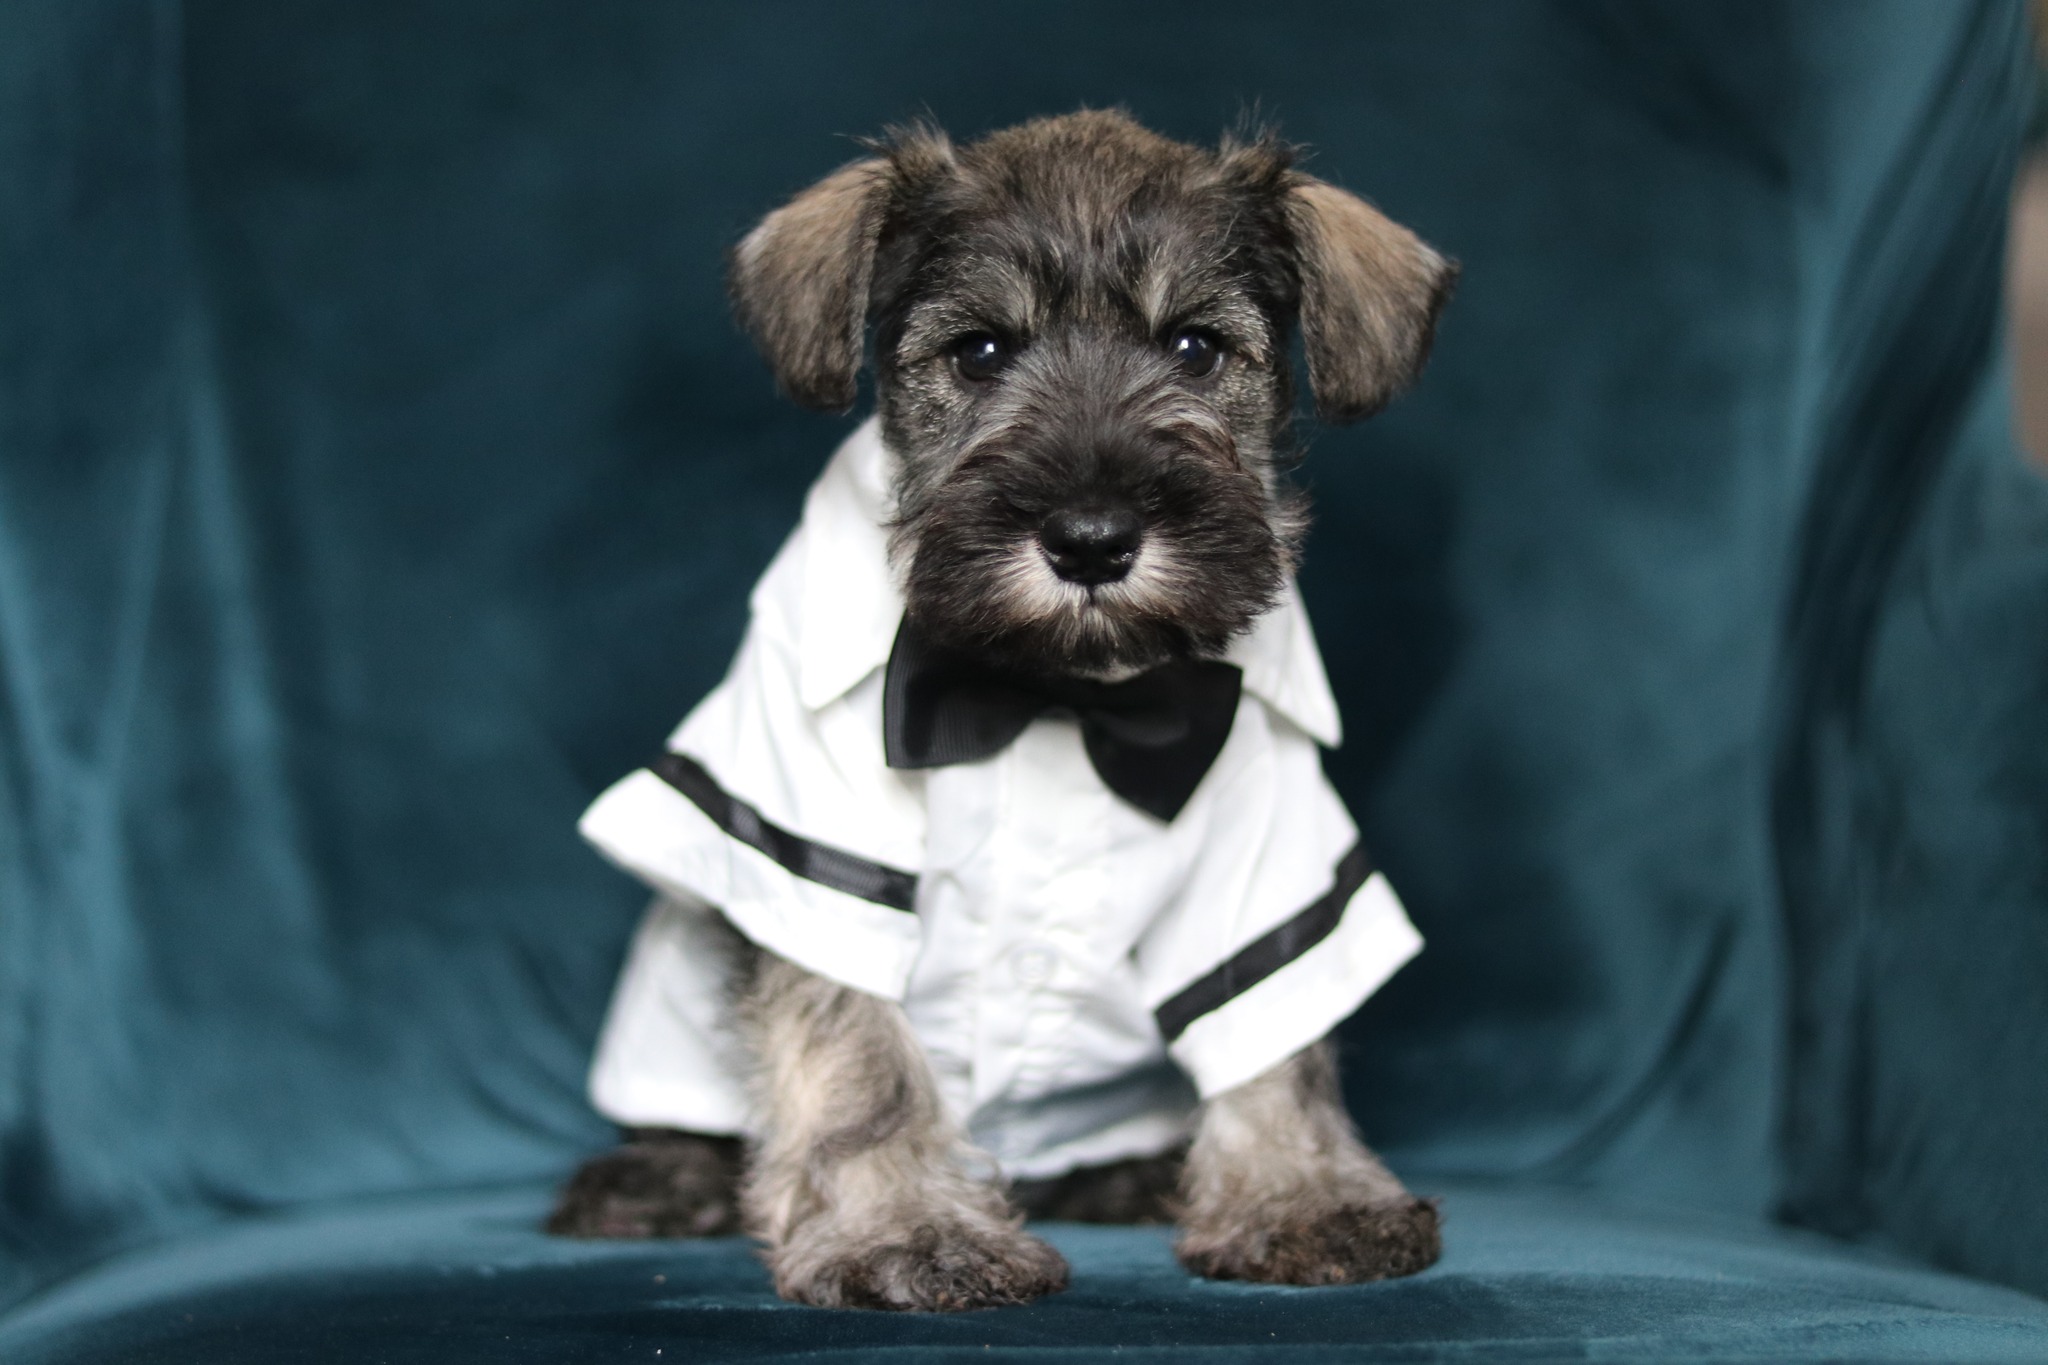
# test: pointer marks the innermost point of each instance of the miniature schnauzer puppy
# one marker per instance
(1072, 301)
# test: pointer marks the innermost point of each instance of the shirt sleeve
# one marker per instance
(668, 1057)
(784, 817)
(1284, 927)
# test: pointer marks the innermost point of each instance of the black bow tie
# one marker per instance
(1150, 737)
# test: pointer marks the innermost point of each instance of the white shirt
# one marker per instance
(1077, 970)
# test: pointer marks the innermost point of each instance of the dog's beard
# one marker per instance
(1214, 555)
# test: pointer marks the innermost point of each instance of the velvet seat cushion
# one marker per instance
(381, 476)
(1529, 1273)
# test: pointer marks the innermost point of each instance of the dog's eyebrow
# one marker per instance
(1215, 305)
(980, 292)
(1179, 284)
(935, 324)
(1002, 285)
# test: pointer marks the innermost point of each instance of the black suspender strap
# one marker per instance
(1268, 953)
(820, 863)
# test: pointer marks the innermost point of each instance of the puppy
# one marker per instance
(1000, 875)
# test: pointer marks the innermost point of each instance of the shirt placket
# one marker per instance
(1046, 883)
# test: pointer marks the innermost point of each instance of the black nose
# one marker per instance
(1091, 545)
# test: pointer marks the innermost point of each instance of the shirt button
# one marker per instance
(1034, 966)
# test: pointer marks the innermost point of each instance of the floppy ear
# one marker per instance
(800, 281)
(1370, 294)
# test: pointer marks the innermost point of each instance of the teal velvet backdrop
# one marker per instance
(380, 476)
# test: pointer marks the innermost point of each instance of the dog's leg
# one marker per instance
(661, 1182)
(1136, 1190)
(859, 1188)
(1279, 1188)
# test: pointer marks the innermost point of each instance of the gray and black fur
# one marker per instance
(1081, 334)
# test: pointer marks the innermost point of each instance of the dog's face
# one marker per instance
(1081, 337)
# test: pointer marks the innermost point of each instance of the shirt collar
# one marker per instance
(850, 601)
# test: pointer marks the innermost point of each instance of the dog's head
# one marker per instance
(1081, 348)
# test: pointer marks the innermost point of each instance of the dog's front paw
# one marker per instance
(660, 1184)
(1315, 1244)
(939, 1264)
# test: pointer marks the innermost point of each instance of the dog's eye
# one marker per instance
(1195, 353)
(980, 356)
